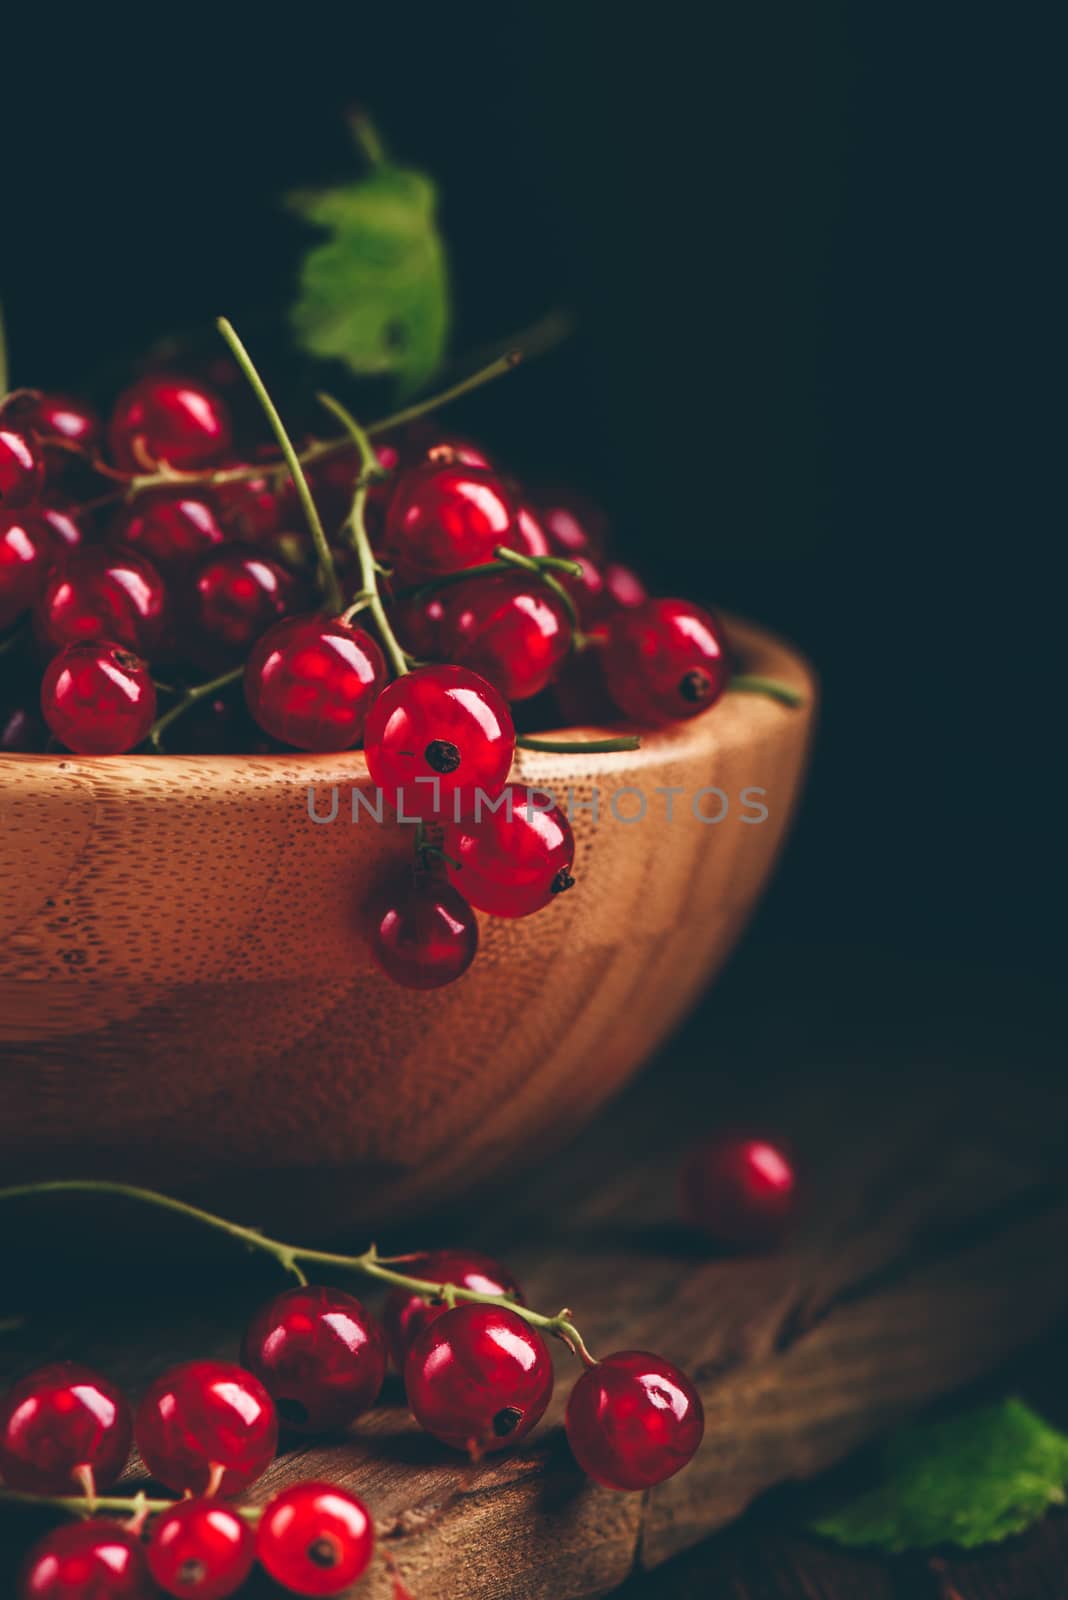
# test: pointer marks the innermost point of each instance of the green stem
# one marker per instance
(289, 1256)
(198, 692)
(361, 542)
(507, 561)
(136, 1505)
(580, 747)
(752, 683)
(486, 374)
(368, 138)
(327, 572)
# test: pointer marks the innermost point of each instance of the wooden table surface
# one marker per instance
(927, 1110)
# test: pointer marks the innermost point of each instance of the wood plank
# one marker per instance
(933, 1143)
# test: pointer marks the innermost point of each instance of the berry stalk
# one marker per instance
(753, 683)
(327, 572)
(356, 527)
(289, 1256)
(199, 691)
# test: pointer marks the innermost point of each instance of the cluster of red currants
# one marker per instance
(478, 1377)
(481, 600)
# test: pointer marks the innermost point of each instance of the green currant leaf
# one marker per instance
(374, 292)
(972, 1480)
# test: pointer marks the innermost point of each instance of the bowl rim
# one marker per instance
(733, 720)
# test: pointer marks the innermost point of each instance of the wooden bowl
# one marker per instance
(187, 999)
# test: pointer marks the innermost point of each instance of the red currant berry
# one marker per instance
(436, 737)
(22, 731)
(634, 1420)
(514, 859)
(26, 555)
(478, 1378)
(511, 629)
(237, 594)
(417, 621)
(529, 536)
(405, 1314)
(55, 420)
(587, 589)
(60, 1424)
(201, 1548)
(103, 594)
(315, 1539)
(172, 527)
(94, 1560)
(422, 932)
(623, 587)
(740, 1190)
(573, 526)
(665, 661)
(98, 698)
(253, 509)
(21, 469)
(207, 1425)
(67, 525)
(310, 682)
(164, 419)
(445, 517)
(319, 1354)
(448, 448)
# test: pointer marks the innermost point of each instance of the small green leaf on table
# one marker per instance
(374, 292)
(971, 1480)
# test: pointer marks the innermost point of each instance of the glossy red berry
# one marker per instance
(59, 1423)
(99, 593)
(665, 661)
(207, 1425)
(319, 1354)
(633, 1420)
(55, 421)
(529, 536)
(94, 1560)
(623, 587)
(202, 1549)
(742, 1191)
(515, 859)
(21, 469)
(422, 932)
(478, 1378)
(310, 682)
(174, 528)
(573, 526)
(435, 738)
(405, 1314)
(253, 509)
(510, 628)
(98, 699)
(587, 589)
(26, 556)
(66, 524)
(236, 596)
(315, 1539)
(448, 447)
(444, 517)
(166, 419)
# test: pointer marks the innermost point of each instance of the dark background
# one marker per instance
(810, 249)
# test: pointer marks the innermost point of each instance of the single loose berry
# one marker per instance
(319, 1354)
(94, 1560)
(174, 528)
(56, 421)
(310, 682)
(516, 857)
(315, 1538)
(26, 556)
(98, 698)
(21, 469)
(59, 1425)
(236, 596)
(207, 1426)
(633, 1420)
(435, 738)
(422, 932)
(478, 1378)
(103, 594)
(172, 420)
(510, 628)
(665, 661)
(405, 1314)
(742, 1191)
(201, 1548)
(444, 517)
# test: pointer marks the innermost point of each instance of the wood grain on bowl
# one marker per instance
(186, 996)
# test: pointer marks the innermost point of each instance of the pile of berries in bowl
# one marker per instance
(168, 586)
